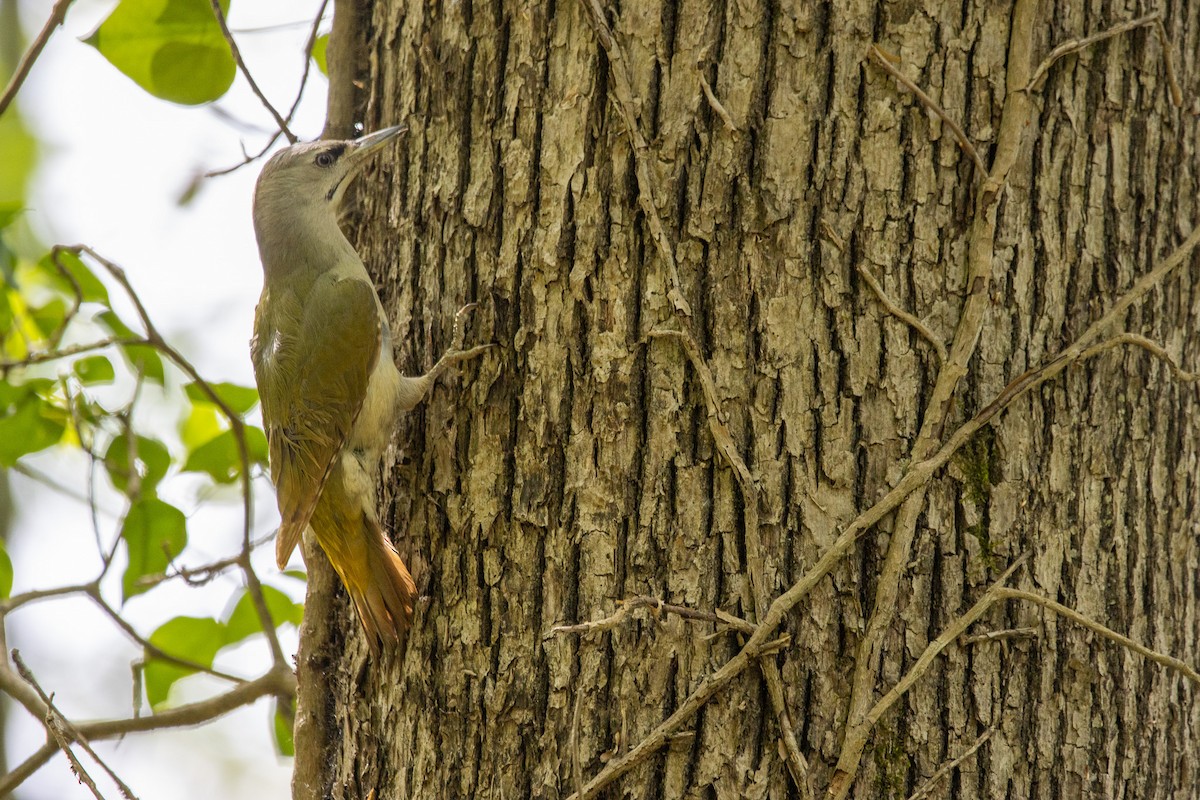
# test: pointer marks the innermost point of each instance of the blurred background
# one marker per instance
(120, 171)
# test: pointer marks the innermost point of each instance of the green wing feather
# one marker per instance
(313, 356)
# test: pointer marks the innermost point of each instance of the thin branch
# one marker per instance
(64, 733)
(17, 600)
(1150, 346)
(1001, 636)
(755, 562)
(274, 683)
(933, 106)
(1013, 129)
(25, 770)
(576, 759)
(715, 104)
(1184, 669)
(237, 56)
(308, 49)
(1075, 45)
(205, 573)
(927, 788)
(1169, 64)
(152, 650)
(57, 15)
(44, 356)
(847, 765)
(899, 313)
(622, 97)
(625, 609)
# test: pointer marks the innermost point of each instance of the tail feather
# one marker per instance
(384, 601)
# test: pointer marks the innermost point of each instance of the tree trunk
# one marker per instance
(775, 170)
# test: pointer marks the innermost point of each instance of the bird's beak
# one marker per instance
(363, 148)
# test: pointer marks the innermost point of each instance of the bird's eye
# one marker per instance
(324, 159)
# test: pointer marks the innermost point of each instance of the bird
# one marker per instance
(330, 391)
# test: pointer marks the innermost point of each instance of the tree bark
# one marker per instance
(774, 171)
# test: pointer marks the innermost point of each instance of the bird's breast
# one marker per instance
(377, 419)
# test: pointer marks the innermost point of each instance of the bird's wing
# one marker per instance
(312, 381)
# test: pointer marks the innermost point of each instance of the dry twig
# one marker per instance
(927, 788)
(1150, 346)
(931, 104)
(57, 15)
(64, 734)
(237, 56)
(980, 252)
(1070, 46)
(625, 609)
(715, 104)
(308, 49)
(622, 96)
(899, 313)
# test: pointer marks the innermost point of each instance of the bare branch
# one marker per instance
(237, 56)
(1184, 669)
(576, 759)
(1075, 45)
(1001, 636)
(625, 609)
(899, 313)
(622, 97)
(24, 770)
(755, 562)
(277, 682)
(64, 733)
(1150, 346)
(847, 765)
(715, 104)
(308, 49)
(236, 425)
(884, 61)
(927, 788)
(1169, 64)
(57, 15)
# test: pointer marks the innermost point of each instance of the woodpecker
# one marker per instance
(327, 379)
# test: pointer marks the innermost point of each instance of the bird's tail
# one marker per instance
(384, 601)
(370, 568)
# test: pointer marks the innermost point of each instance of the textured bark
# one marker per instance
(574, 465)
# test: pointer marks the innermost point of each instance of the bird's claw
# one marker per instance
(456, 338)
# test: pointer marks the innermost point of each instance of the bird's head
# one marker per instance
(311, 175)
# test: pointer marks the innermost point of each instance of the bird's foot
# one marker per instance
(456, 354)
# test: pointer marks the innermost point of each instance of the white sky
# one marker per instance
(114, 162)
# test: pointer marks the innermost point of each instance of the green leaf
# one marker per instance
(201, 424)
(151, 460)
(196, 639)
(244, 621)
(320, 48)
(94, 369)
(20, 149)
(174, 49)
(145, 359)
(10, 211)
(27, 422)
(49, 317)
(283, 732)
(141, 357)
(219, 456)
(240, 398)
(6, 572)
(154, 532)
(91, 289)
